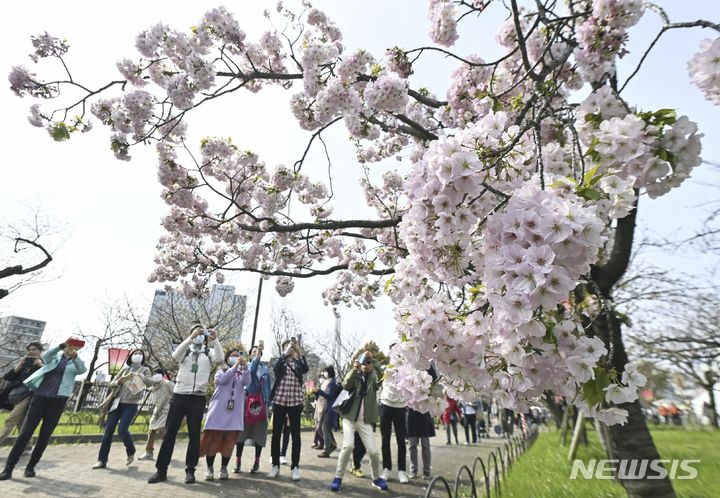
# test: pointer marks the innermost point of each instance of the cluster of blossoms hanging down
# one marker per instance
(513, 189)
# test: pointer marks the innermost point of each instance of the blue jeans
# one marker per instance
(120, 418)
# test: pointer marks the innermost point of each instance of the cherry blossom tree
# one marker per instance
(519, 207)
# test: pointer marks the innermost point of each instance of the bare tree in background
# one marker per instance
(23, 251)
(690, 343)
(117, 330)
(172, 315)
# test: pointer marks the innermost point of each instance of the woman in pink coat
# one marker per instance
(226, 412)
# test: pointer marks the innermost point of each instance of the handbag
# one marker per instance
(18, 393)
(343, 403)
(254, 408)
(104, 406)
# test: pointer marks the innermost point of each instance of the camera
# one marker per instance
(361, 359)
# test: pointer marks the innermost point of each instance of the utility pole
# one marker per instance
(336, 346)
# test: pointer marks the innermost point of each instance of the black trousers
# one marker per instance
(292, 414)
(358, 451)
(470, 424)
(182, 406)
(392, 419)
(41, 409)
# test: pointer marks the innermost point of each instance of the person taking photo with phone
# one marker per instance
(225, 415)
(362, 382)
(197, 356)
(52, 384)
(257, 401)
(16, 397)
(288, 401)
(129, 386)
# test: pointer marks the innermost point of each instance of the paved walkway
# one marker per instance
(65, 472)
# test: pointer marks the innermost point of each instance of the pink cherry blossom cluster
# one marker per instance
(536, 251)
(658, 156)
(443, 26)
(602, 36)
(704, 69)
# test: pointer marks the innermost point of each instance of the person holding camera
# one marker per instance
(129, 386)
(162, 391)
(362, 382)
(16, 397)
(53, 383)
(288, 401)
(327, 393)
(226, 413)
(257, 403)
(196, 355)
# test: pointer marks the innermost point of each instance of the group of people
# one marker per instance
(243, 400)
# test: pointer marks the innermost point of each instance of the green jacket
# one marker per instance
(352, 382)
(51, 357)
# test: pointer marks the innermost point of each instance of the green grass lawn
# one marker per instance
(543, 471)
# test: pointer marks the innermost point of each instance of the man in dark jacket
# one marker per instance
(329, 418)
(16, 397)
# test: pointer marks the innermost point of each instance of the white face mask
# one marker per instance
(232, 360)
(157, 378)
(136, 359)
(199, 339)
(326, 375)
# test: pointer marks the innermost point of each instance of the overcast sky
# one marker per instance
(109, 211)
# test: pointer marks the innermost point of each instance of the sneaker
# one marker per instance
(157, 477)
(236, 470)
(380, 484)
(255, 468)
(190, 477)
(412, 475)
(147, 456)
(130, 459)
(386, 474)
(209, 474)
(224, 474)
(274, 472)
(283, 460)
(357, 473)
(402, 477)
(426, 477)
(99, 465)
(336, 484)
(295, 474)
(467, 443)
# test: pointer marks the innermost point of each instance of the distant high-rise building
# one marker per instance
(17, 332)
(172, 315)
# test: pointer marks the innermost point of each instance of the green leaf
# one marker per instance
(388, 284)
(590, 174)
(589, 193)
(593, 390)
(59, 132)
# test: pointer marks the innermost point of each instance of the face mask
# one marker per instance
(199, 339)
(157, 378)
(136, 359)
(232, 360)
(326, 375)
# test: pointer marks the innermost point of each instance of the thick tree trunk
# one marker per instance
(713, 407)
(631, 441)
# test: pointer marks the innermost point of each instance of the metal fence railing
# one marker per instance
(486, 474)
